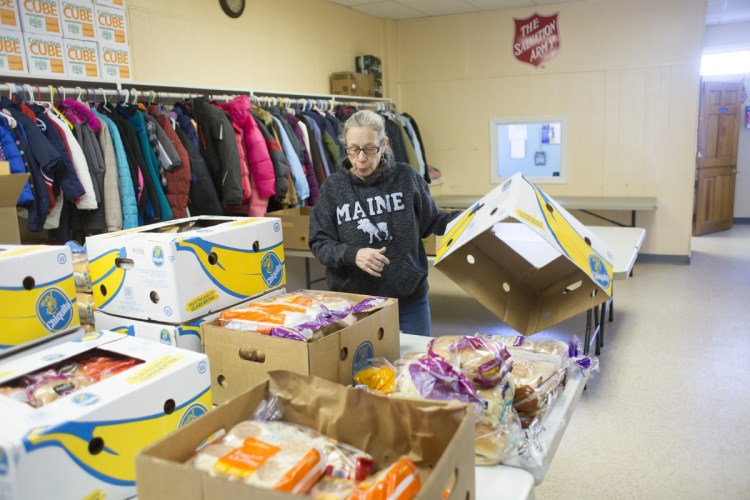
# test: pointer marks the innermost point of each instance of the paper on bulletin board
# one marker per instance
(518, 149)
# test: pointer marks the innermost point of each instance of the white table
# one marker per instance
(500, 482)
(583, 203)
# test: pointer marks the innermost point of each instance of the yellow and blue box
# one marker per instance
(37, 293)
(83, 445)
(177, 271)
(525, 258)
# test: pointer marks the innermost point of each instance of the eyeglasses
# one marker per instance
(369, 150)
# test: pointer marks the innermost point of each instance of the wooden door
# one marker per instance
(716, 160)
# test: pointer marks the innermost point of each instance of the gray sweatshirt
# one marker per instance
(393, 209)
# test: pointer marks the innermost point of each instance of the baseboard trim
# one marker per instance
(664, 259)
(742, 220)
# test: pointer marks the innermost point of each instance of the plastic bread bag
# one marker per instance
(98, 368)
(379, 376)
(434, 378)
(81, 275)
(343, 461)
(516, 342)
(86, 308)
(303, 315)
(482, 359)
(45, 387)
(497, 402)
(399, 481)
(271, 455)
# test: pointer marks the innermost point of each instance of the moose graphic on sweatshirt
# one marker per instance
(375, 205)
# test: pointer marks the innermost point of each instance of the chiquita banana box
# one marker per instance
(525, 258)
(177, 271)
(37, 293)
(74, 415)
(185, 335)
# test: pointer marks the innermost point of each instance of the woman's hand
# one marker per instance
(372, 260)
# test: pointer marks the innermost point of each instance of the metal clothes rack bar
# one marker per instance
(152, 91)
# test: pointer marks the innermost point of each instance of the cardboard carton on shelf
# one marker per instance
(349, 83)
(81, 58)
(437, 436)
(41, 17)
(37, 294)
(86, 441)
(296, 224)
(10, 18)
(77, 17)
(12, 52)
(525, 258)
(111, 25)
(10, 189)
(180, 270)
(44, 54)
(241, 359)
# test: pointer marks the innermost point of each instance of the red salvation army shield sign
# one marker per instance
(537, 39)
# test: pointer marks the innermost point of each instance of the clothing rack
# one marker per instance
(133, 92)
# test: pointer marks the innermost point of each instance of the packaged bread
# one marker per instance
(302, 315)
(86, 308)
(50, 385)
(538, 379)
(272, 455)
(497, 402)
(482, 359)
(379, 376)
(399, 481)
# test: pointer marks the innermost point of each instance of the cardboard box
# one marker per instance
(296, 225)
(431, 244)
(185, 336)
(111, 25)
(83, 445)
(40, 16)
(37, 293)
(114, 62)
(77, 17)
(348, 83)
(525, 258)
(120, 4)
(10, 189)
(10, 19)
(148, 273)
(81, 58)
(439, 437)
(12, 52)
(44, 54)
(240, 360)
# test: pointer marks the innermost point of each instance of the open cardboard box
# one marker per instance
(10, 189)
(437, 436)
(525, 258)
(240, 360)
(83, 445)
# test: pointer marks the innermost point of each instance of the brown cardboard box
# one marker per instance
(438, 437)
(10, 189)
(349, 83)
(525, 258)
(431, 244)
(295, 223)
(240, 360)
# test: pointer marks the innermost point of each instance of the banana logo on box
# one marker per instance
(238, 272)
(572, 244)
(107, 449)
(107, 275)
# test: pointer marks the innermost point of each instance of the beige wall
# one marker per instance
(280, 45)
(628, 84)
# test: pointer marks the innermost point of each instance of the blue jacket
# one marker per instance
(127, 191)
(139, 125)
(13, 156)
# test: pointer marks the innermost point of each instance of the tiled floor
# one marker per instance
(666, 416)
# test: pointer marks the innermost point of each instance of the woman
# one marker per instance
(367, 225)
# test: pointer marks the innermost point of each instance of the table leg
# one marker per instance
(587, 336)
(307, 273)
(602, 320)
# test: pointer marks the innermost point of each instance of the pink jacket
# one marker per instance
(258, 157)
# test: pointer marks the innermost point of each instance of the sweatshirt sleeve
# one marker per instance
(324, 237)
(432, 220)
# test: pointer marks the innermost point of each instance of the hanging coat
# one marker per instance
(178, 178)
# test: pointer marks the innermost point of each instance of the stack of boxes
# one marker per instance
(76, 38)
(371, 65)
(161, 282)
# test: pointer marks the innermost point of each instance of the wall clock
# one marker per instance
(232, 8)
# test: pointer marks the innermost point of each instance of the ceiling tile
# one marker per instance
(440, 7)
(499, 4)
(389, 10)
(350, 3)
